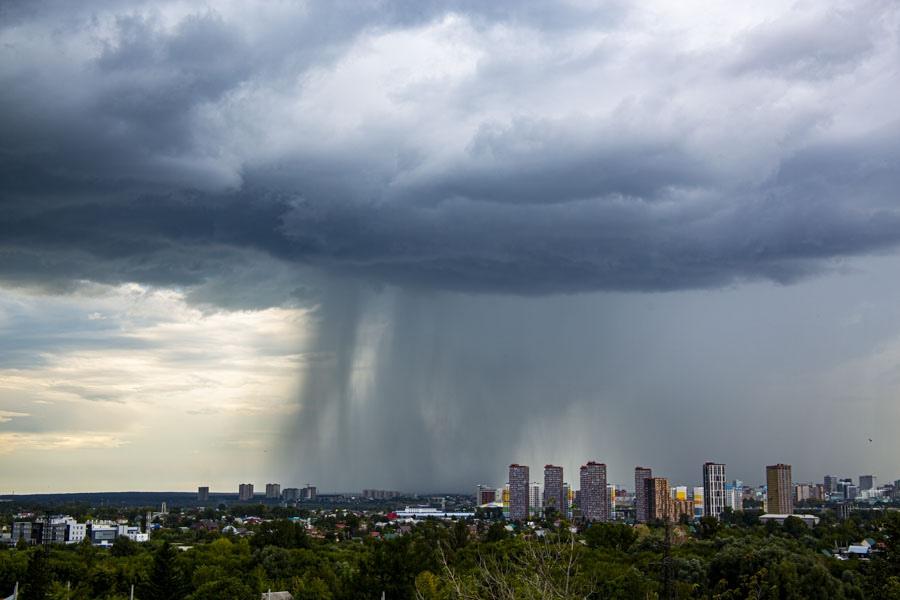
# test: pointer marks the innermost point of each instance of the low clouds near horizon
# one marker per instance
(458, 154)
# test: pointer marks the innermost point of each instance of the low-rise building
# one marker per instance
(808, 520)
(427, 512)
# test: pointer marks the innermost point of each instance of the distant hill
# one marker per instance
(122, 498)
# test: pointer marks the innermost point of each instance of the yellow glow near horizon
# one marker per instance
(133, 372)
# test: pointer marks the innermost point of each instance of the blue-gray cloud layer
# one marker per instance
(577, 149)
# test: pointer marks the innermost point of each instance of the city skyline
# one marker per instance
(404, 245)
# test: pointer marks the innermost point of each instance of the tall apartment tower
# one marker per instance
(535, 498)
(658, 498)
(203, 494)
(245, 492)
(554, 495)
(779, 488)
(594, 496)
(713, 489)
(273, 491)
(866, 482)
(641, 475)
(830, 484)
(518, 492)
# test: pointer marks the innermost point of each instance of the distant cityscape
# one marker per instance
(656, 498)
(520, 498)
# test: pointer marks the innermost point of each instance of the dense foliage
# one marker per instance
(436, 561)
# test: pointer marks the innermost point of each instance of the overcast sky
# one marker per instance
(402, 244)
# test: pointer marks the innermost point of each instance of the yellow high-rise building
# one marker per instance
(779, 496)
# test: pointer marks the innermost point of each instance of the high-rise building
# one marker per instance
(818, 492)
(698, 501)
(594, 498)
(535, 498)
(203, 494)
(779, 490)
(659, 499)
(803, 491)
(866, 482)
(554, 498)
(843, 485)
(518, 492)
(734, 495)
(291, 494)
(245, 492)
(830, 483)
(713, 489)
(485, 495)
(273, 491)
(680, 492)
(641, 474)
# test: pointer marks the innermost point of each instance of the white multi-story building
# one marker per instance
(734, 495)
(133, 533)
(713, 489)
(75, 531)
(535, 498)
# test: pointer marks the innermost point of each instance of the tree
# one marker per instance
(284, 534)
(536, 570)
(795, 527)
(460, 534)
(311, 589)
(166, 580)
(614, 536)
(229, 588)
(276, 562)
(709, 526)
(37, 577)
(123, 546)
(892, 542)
(496, 532)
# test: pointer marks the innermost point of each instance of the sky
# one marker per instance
(401, 245)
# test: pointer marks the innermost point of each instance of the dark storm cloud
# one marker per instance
(367, 157)
(179, 147)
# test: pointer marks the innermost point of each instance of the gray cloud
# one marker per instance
(374, 159)
(137, 146)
